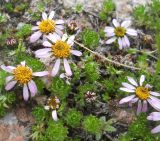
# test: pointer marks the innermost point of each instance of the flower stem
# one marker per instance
(107, 59)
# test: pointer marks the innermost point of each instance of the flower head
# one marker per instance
(142, 94)
(46, 26)
(120, 32)
(90, 96)
(23, 75)
(11, 41)
(60, 49)
(155, 116)
(53, 103)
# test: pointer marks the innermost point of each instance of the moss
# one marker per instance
(92, 125)
(73, 118)
(90, 38)
(107, 10)
(60, 88)
(56, 131)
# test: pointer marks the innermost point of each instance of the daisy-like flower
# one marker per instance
(142, 94)
(60, 49)
(46, 26)
(53, 103)
(22, 75)
(155, 116)
(120, 32)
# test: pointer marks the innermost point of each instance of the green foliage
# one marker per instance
(9, 7)
(60, 88)
(73, 118)
(91, 70)
(39, 114)
(148, 17)
(5, 101)
(56, 131)
(3, 18)
(139, 130)
(78, 8)
(24, 31)
(107, 10)
(90, 38)
(34, 63)
(92, 125)
(40, 84)
(3, 75)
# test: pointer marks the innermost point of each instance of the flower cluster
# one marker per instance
(143, 95)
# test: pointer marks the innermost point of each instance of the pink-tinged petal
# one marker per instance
(145, 106)
(67, 67)
(42, 51)
(7, 68)
(115, 23)
(128, 86)
(38, 23)
(32, 87)
(127, 90)
(120, 43)
(35, 28)
(124, 43)
(156, 129)
(70, 40)
(64, 37)
(47, 44)
(142, 79)
(54, 115)
(44, 16)
(132, 81)
(109, 29)
(134, 100)
(111, 40)
(155, 93)
(139, 108)
(155, 116)
(56, 67)
(110, 34)
(35, 36)
(10, 85)
(154, 103)
(59, 21)
(23, 63)
(126, 24)
(127, 41)
(25, 92)
(131, 32)
(9, 78)
(59, 32)
(76, 52)
(51, 15)
(62, 75)
(53, 37)
(60, 27)
(126, 99)
(42, 73)
(46, 107)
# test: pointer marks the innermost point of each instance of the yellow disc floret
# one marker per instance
(53, 103)
(61, 49)
(120, 31)
(47, 26)
(142, 93)
(22, 74)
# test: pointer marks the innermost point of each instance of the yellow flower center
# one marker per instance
(120, 31)
(61, 49)
(47, 26)
(53, 103)
(22, 74)
(142, 93)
